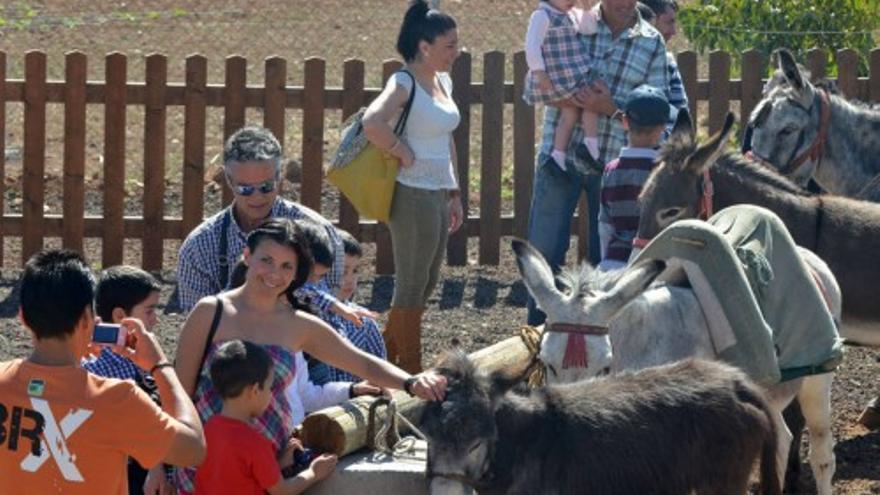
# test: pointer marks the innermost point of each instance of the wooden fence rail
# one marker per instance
(156, 94)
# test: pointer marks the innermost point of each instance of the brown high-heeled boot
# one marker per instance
(403, 338)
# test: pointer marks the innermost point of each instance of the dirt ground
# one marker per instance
(476, 306)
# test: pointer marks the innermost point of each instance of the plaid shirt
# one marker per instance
(198, 268)
(366, 337)
(111, 365)
(637, 56)
(677, 97)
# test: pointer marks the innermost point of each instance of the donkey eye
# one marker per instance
(669, 213)
(786, 131)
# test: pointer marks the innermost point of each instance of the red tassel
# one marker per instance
(575, 352)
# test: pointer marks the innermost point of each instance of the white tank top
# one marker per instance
(428, 133)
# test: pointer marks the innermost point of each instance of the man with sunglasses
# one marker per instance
(252, 165)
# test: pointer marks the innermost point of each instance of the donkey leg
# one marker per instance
(815, 400)
(779, 397)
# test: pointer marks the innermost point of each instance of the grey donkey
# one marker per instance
(806, 131)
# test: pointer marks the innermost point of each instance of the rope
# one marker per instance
(535, 372)
(388, 431)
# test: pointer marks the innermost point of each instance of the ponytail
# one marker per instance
(421, 23)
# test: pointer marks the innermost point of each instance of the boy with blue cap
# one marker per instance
(645, 114)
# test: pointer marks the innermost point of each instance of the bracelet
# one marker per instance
(408, 385)
(394, 146)
(351, 390)
(160, 365)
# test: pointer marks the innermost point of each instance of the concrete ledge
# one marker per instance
(372, 472)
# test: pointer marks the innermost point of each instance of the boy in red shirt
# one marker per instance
(240, 460)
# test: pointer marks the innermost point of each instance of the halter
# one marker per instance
(576, 346)
(817, 147)
(706, 208)
(577, 329)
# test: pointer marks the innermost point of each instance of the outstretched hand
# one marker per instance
(429, 386)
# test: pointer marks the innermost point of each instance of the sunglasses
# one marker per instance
(248, 189)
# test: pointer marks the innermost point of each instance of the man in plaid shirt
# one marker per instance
(252, 164)
(632, 53)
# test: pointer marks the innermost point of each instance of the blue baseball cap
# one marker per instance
(646, 106)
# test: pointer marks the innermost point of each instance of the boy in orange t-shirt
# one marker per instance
(64, 430)
(240, 460)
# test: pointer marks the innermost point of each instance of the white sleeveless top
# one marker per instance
(428, 133)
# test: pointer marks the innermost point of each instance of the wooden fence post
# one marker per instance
(73, 209)
(3, 147)
(34, 152)
(817, 61)
(352, 101)
(848, 73)
(753, 71)
(523, 148)
(874, 78)
(456, 246)
(275, 97)
(194, 141)
(114, 159)
(233, 106)
(719, 89)
(313, 133)
(490, 169)
(154, 161)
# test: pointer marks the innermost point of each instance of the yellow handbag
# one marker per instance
(365, 174)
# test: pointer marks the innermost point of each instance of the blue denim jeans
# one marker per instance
(554, 200)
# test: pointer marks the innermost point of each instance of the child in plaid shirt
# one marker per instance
(353, 322)
(559, 66)
(122, 292)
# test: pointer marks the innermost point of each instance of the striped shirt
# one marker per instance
(198, 269)
(637, 56)
(618, 205)
(677, 97)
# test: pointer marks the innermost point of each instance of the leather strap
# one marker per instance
(577, 328)
(215, 323)
(222, 257)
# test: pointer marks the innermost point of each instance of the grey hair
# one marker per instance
(252, 144)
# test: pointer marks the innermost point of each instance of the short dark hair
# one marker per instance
(421, 23)
(238, 364)
(661, 6)
(123, 286)
(317, 239)
(56, 287)
(350, 245)
(647, 13)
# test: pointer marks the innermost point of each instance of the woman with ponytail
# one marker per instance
(278, 263)
(426, 206)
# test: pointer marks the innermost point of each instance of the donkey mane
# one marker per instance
(735, 164)
(675, 153)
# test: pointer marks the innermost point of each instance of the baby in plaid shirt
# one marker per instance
(559, 66)
(352, 321)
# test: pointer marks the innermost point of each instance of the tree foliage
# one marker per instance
(765, 25)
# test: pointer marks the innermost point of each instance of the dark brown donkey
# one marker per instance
(844, 232)
(692, 427)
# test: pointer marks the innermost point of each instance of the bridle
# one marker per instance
(707, 195)
(816, 149)
(577, 329)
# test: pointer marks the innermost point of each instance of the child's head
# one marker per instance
(127, 291)
(57, 291)
(318, 241)
(242, 371)
(353, 254)
(645, 114)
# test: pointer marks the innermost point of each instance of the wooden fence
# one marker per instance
(116, 93)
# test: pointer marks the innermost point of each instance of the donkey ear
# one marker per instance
(536, 273)
(790, 70)
(705, 155)
(635, 280)
(683, 127)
